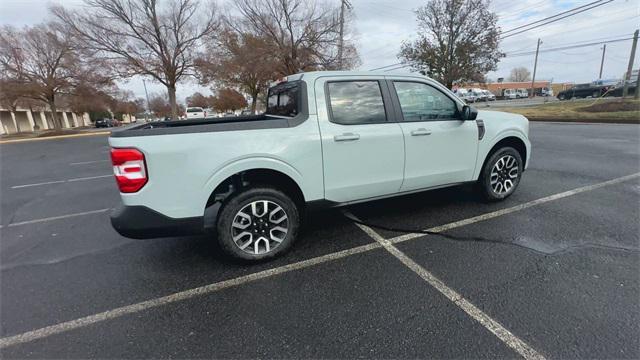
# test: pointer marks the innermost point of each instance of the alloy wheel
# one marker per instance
(259, 227)
(504, 174)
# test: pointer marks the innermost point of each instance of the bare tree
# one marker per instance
(520, 74)
(160, 106)
(43, 60)
(140, 37)
(241, 60)
(13, 93)
(228, 99)
(304, 35)
(199, 100)
(458, 41)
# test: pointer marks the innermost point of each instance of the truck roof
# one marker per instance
(313, 75)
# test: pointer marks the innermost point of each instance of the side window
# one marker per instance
(356, 102)
(422, 102)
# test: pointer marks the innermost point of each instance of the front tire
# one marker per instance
(501, 174)
(258, 223)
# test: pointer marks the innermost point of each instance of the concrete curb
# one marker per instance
(54, 137)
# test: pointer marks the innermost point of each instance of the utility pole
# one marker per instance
(345, 4)
(535, 67)
(627, 77)
(604, 50)
(637, 90)
(146, 113)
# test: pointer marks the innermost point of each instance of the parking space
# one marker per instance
(346, 308)
(569, 286)
(561, 276)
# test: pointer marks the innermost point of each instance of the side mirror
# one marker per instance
(469, 113)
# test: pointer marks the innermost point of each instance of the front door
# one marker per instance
(440, 148)
(363, 151)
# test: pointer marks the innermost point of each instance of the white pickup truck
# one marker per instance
(327, 138)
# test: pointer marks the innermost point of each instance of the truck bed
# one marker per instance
(230, 123)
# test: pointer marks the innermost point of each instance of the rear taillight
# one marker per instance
(129, 168)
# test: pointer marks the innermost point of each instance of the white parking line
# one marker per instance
(207, 289)
(90, 178)
(56, 217)
(61, 181)
(183, 295)
(491, 215)
(88, 162)
(485, 320)
(38, 184)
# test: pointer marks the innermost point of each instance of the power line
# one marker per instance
(553, 16)
(612, 37)
(553, 20)
(539, 23)
(569, 47)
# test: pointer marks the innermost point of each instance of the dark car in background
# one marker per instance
(106, 123)
(583, 91)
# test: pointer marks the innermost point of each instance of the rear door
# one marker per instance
(362, 148)
(440, 148)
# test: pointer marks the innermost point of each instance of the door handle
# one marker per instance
(420, 132)
(346, 137)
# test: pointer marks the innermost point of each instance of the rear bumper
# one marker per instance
(140, 222)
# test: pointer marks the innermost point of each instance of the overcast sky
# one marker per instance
(382, 25)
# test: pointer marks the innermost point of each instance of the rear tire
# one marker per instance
(258, 223)
(501, 174)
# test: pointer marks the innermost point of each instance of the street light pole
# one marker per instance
(147, 94)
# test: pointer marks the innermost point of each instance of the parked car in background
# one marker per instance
(246, 112)
(545, 92)
(479, 94)
(195, 113)
(522, 93)
(326, 138)
(490, 96)
(106, 123)
(583, 91)
(465, 94)
(509, 94)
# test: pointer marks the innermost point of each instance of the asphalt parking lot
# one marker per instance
(554, 271)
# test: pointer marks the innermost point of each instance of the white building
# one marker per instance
(26, 120)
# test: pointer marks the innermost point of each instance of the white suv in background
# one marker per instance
(195, 113)
(510, 94)
(465, 94)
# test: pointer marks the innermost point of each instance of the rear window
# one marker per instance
(190, 110)
(284, 99)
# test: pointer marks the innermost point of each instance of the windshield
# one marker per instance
(284, 99)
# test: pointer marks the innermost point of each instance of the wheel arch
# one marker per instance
(510, 141)
(263, 176)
